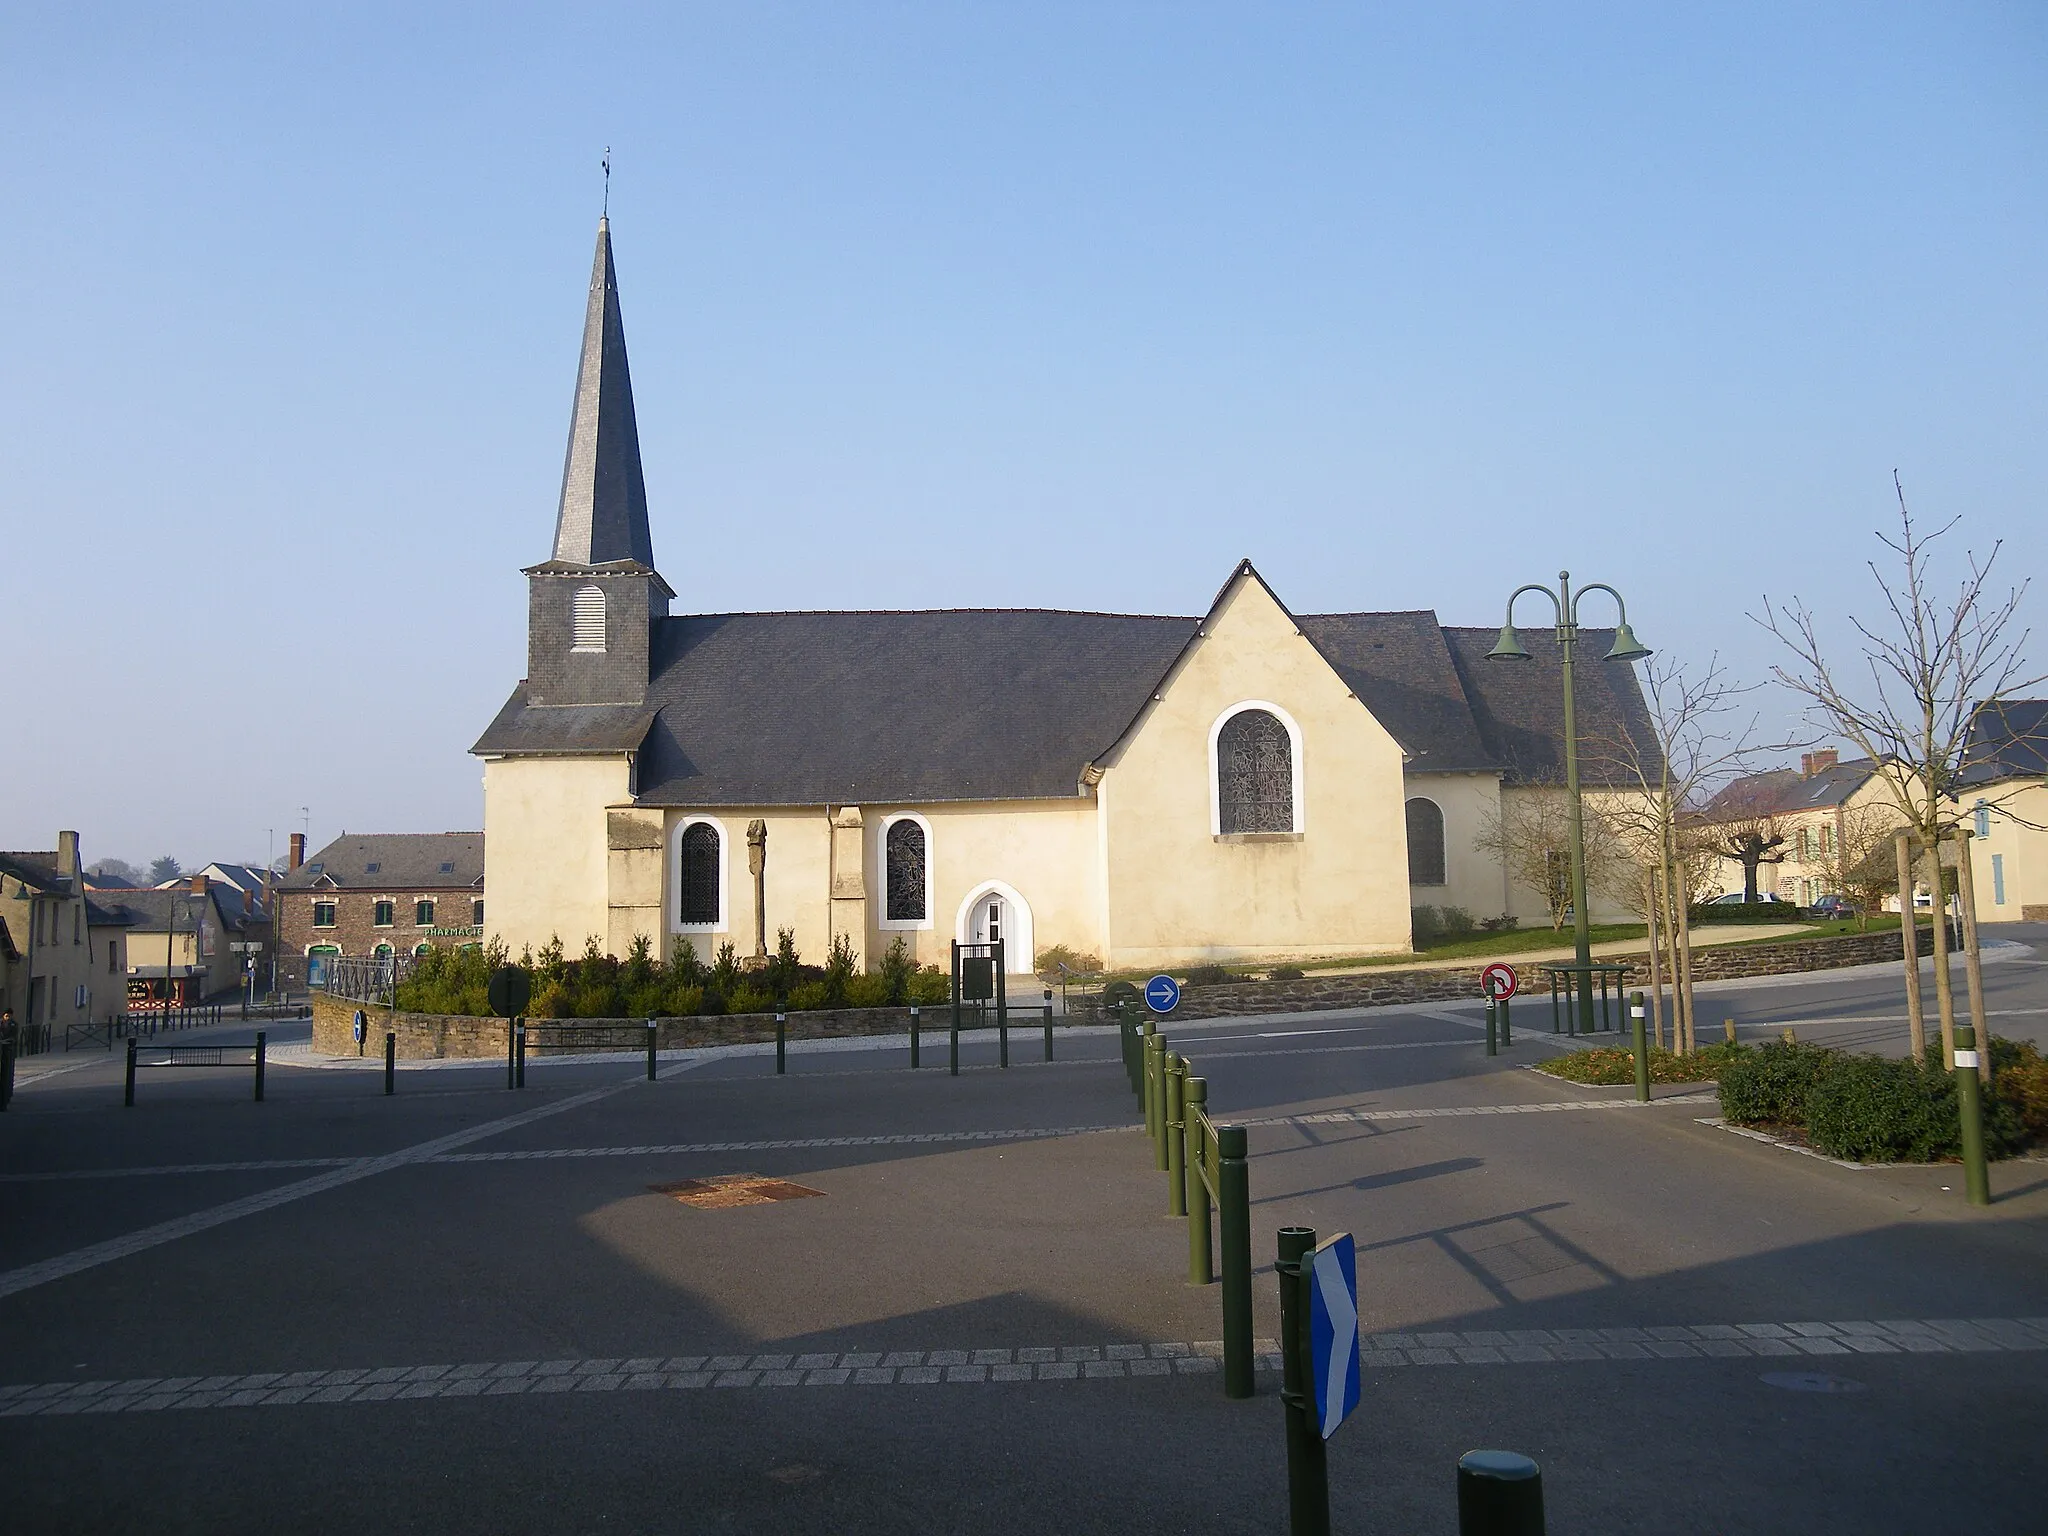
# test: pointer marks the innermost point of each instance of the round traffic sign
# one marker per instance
(1162, 994)
(511, 989)
(1499, 980)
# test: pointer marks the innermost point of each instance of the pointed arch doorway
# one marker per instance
(993, 911)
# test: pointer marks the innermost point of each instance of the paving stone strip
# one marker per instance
(1091, 1362)
(1551, 1107)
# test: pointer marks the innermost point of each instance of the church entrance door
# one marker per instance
(996, 912)
(991, 920)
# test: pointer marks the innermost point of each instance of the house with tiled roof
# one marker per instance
(2002, 796)
(377, 894)
(1244, 782)
(1818, 820)
(48, 977)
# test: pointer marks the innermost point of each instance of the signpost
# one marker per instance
(1319, 1374)
(1498, 982)
(1333, 1330)
(1162, 994)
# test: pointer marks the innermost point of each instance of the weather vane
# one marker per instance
(607, 181)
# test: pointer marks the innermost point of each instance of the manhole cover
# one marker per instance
(730, 1189)
(1811, 1381)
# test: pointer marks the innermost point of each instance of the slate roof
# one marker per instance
(603, 511)
(149, 911)
(36, 869)
(95, 882)
(1781, 791)
(2008, 739)
(981, 704)
(1518, 707)
(406, 861)
(107, 914)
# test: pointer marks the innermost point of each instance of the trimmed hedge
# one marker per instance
(1883, 1109)
(1747, 912)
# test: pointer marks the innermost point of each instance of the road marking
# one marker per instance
(1349, 1116)
(14, 1281)
(1091, 1362)
(894, 1139)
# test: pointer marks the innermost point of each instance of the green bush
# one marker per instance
(1612, 1066)
(1747, 912)
(2020, 1080)
(1284, 973)
(1425, 925)
(1457, 922)
(1210, 976)
(1769, 1086)
(1077, 962)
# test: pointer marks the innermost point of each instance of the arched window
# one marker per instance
(1425, 842)
(1254, 774)
(698, 883)
(904, 853)
(587, 616)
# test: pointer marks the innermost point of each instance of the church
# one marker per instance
(1248, 784)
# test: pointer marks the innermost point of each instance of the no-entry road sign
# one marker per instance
(1333, 1330)
(1162, 994)
(1499, 980)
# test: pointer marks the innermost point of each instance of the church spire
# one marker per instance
(603, 513)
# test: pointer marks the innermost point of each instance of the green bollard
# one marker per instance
(1970, 1105)
(913, 1037)
(1635, 1012)
(390, 1063)
(1048, 1023)
(1162, 1130)
(1176, 1136)
(1506, 1035)
(1308, 1464)
(1499, 1494)
(953, 1045)
(1151, 1049)
(781, 1038)
(1234, 1227)
(1194, 1104)
(1492, 1039)
(262, 1038)
(653, 1042)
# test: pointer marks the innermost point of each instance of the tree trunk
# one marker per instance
(1682, 1013)
(1909, 929)
(1944, 984)
(1650, 908)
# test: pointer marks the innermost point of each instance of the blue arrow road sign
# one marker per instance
(1333, 1330)
(1162, 994)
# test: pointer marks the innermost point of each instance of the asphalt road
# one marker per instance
(468, 1309)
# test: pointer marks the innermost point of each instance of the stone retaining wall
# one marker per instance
(433, 1036)
(1377, 988)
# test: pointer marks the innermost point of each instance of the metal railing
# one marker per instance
(363, 978)
(142, 1056)
(1208, 1171)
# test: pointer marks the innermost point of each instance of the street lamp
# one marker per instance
(1626, 648)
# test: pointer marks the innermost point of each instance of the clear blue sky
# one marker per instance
(938, 305)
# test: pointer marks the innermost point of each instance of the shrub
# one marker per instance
(2020, 1081)
(1747, 912)
(1875, 1109)
(867, 991)
(1284, 973)
(1769, 1086)
(803, 998)
(1612, 1066)
(930, 985)
(1210, 975)
(1425, 925)
(1456, 922)
(1507, 922)
(1077, 962)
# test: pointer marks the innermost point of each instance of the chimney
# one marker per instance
(199, 885)
(1811, 763)
(67, 856)
(298, 850)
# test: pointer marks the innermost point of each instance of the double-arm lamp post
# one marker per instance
(1626, 648)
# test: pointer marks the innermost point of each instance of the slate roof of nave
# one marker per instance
(962, 705)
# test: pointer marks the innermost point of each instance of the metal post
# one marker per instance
(653, 1041)
(128, 1097)
(262, 1038)
(390, 1063)
(1048, 1023)
(519, 1034)
(1176, 1136)
(1492, 1041)
(1506, 1035)
(1195, 1104)
(1582, 917)
(781, 1038)
(1002, 1008)
(1499, 1494)
(1161, 1131)
(1308, 1467)
(1145, 1081)
(1973, 967)
(1970, 1105)
(913, 1036)
(955, 1047)
(1234, 1228)
(1635, 1009)
(511, 1053)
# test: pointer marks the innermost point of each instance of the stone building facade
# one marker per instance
(378, 894)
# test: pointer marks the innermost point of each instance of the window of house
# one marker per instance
(697, 874)
(587, 619)
(381, 914)
(323, 914)
(382, 951)
(1425, 842)
(447, 866)
(371, 869)
(1827, 838)
(423, 949)
(423, 914)
(905, 852)
(476, 913)
(1254, 774)
(1983, 810)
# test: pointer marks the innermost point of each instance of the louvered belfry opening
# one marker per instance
(698, 876)
(905, 854)
(587, 619)
(1254, 774)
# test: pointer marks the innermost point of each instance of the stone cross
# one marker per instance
(757, 865)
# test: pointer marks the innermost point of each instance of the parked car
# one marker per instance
(1834, 906)
(1735, 899)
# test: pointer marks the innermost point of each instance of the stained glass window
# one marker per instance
(1425, 842)
(906, 872)
(699, 874)
(1255, 774)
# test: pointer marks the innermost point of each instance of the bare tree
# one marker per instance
(1856, 861)
(1531, 835)
(1752, 841)
(118, 869)
(1931, 660)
